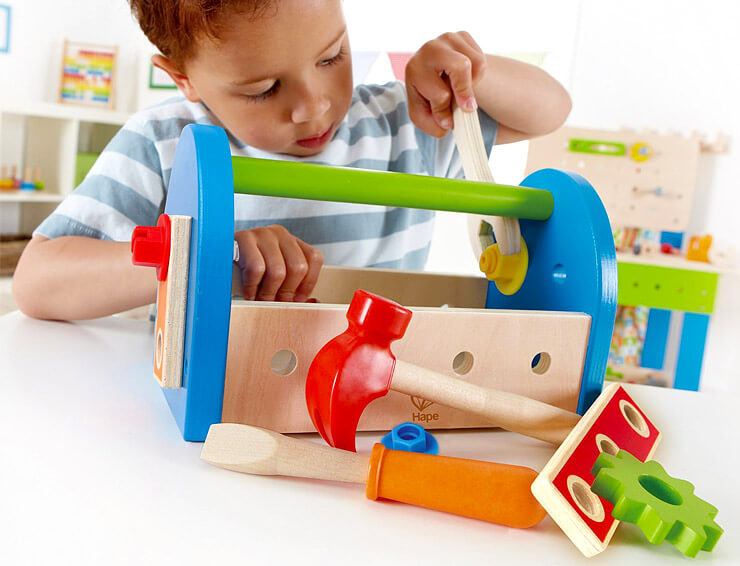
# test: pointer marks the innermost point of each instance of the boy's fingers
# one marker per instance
(430, 97)
(251, 264)
(439, 98)
(315, 260)
(421, 115)
(460, 75)
(473, 51)
(296, 268)
(275, 270)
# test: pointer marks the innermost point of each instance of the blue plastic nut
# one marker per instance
(410, 437)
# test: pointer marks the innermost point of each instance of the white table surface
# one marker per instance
(94, 471)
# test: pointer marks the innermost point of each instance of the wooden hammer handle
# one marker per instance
(507, 410)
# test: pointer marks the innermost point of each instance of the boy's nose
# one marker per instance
(309, 107)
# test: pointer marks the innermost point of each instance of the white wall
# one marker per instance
(659, 64)
(31, 70)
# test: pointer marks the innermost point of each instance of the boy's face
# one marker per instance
(281, 82)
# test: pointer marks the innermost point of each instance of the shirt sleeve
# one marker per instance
(124, 189)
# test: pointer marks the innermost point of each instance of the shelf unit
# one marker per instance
(48, 136)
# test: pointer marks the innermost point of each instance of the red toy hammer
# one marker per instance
(358, 366)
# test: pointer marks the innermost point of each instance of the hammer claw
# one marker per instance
(354, 368)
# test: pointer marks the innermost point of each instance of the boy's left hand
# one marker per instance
(443, 69)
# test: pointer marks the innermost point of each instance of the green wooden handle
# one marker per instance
(321, 182)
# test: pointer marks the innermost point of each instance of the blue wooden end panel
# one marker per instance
(202, 187)
(572, 267)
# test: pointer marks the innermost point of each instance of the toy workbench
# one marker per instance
(221, 359)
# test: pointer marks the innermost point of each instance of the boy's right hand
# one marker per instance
(275, 265)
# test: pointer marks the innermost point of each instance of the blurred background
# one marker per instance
(655, 87)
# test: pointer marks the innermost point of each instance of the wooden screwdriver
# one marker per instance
(497, 493)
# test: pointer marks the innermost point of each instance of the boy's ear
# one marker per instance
(181, 80)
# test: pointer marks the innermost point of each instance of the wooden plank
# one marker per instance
(489, 348)
(337, 285)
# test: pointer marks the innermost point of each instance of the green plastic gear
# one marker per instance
(663, 507)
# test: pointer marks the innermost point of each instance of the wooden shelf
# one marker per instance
(48, 136)
(65, 112)
(673, 262)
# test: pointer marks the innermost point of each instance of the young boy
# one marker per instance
(276, 74)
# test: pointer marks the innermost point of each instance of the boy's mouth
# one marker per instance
(317, 140)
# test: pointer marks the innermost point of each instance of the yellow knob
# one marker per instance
(507, 271)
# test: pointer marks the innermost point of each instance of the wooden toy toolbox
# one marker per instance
(246, 362)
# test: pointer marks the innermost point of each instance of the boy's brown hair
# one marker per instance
(175, 26)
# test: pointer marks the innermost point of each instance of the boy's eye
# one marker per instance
(333, 60)
(264, 95)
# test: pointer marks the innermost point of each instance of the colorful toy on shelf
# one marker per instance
(411, 437)
(247, 362)
(563, 487)
(9, 180)
(646, 248)
(497, 493)
(357, 366)
(31, 180)
(663, 507)
(668, 249)
(698, 249)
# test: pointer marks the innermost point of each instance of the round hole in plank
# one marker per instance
(541, 363)
(634, 418)
(586, 500)
(463, 363)
(284, 362)
(606, 444)
(159, 349)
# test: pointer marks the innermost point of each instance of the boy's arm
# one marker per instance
(74, 277)
(524, 100)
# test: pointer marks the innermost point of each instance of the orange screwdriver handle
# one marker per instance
(498, 493)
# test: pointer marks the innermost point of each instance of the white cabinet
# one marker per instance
(49, 136)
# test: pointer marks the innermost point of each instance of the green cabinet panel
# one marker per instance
(666, 287)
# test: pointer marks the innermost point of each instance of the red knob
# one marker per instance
(150, 246)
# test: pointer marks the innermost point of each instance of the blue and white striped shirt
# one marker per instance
(127, 184)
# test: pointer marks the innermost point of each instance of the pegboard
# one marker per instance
(644, 179)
